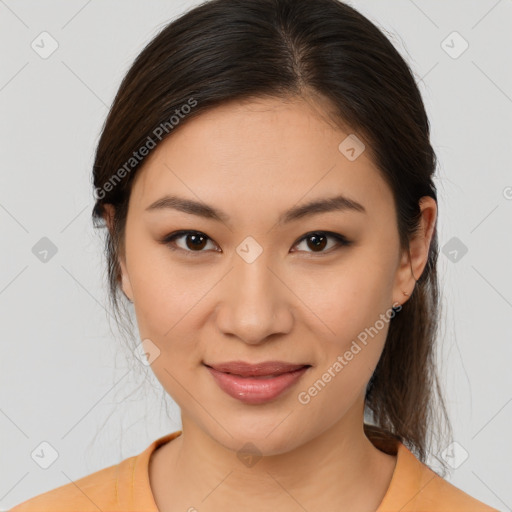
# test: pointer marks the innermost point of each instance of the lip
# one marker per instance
(263, 383)
(243, 369)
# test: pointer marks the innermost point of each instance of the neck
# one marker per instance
(340, 468)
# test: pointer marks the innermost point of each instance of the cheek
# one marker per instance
(349, 351)
(166, 306)
(166, 293)
(347, 298)
(169, 308)
(351, 321)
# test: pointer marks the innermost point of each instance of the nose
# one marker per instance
(256, 303)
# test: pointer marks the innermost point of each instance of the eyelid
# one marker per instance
(341, 240)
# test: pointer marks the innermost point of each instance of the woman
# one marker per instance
(266, 177)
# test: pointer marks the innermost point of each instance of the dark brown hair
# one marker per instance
(227, 50)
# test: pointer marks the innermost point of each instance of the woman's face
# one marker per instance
(255, 288)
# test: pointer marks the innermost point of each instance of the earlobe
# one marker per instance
(414, 261)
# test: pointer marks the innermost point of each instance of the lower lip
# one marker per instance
(252, 390)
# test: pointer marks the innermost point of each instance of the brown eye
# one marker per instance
(193, 241)
(317, 241)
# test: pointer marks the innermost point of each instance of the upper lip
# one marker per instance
(256, 370)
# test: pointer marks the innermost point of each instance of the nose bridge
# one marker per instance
(255, 282)
(255, 305)
(252, 261)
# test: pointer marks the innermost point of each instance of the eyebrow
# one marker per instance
(338, 203)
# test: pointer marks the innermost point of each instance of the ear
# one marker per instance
(125, 280)
(413, 262)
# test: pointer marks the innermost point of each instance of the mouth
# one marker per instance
(258, 383)
(263, 369)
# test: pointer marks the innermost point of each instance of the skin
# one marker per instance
(254, 160)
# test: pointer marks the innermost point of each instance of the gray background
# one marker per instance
(66, 378)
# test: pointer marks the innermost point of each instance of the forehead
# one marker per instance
(261, 154)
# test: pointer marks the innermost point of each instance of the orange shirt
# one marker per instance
(125, 487)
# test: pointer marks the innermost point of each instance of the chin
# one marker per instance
(259, 438)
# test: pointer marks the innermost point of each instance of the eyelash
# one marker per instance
(169, 240)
